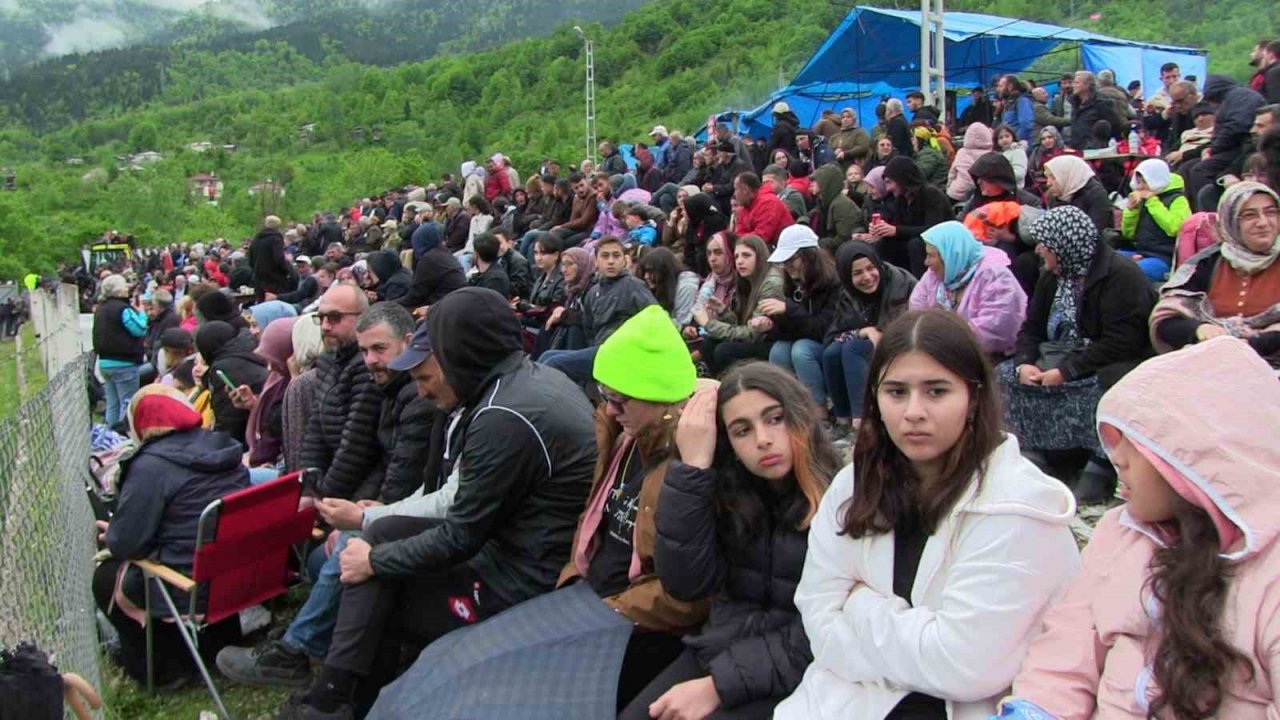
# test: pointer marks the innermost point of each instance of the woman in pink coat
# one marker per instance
(1177, 611)
(977, 142)
(975, 282)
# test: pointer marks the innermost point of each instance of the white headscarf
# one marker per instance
(1071, 172)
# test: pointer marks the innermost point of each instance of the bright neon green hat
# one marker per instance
(646, 359)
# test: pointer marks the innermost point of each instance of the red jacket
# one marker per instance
(497, 183)
(766, 217)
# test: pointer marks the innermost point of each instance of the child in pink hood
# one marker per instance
(1176, 612)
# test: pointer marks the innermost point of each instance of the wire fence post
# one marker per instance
(46, 524)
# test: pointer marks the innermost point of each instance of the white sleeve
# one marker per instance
(1004, 572)
(433, 506)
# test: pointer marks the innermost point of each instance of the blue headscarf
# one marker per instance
(961, 255)
(425, 237)
(264, 312)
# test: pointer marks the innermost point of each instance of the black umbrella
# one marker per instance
(556, 657)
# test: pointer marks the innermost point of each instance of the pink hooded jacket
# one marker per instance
(977, 142)
(1092, 660)
(993, 302)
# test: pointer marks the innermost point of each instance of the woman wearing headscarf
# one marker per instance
(933, 164)
(973, 281)
(579, 270)
(1153, 216)
(264, 313)
(265, 431)
(875, 199)
(1086, 327)
(916, 206)
(176, 471)
(119, 328)
(704, 220)
(1232, 288)
(229, 353)
(874, 293)
(1051, 146)
(1070, 181)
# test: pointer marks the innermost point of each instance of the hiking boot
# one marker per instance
(272, 663)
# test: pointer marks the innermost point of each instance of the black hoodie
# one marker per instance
(525, 443)
(393, 278)
(231, 353)
(856, 309)
(919, 208)
(996, 168)
(705, 220)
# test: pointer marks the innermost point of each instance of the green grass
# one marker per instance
(11, 396)
(127, 700)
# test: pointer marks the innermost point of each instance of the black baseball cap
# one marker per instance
(418, 351)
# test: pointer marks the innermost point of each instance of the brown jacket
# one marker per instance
(583, 214)
(645, 602)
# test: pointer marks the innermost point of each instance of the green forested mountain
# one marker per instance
(671, 61)
(208, 53)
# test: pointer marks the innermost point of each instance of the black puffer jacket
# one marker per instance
(754, 644)
(808, 315)
(404, 432)
(341, 437)
(237, 359)
(783, 135)
(527, 457)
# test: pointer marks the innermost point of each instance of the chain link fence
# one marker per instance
(46, 523)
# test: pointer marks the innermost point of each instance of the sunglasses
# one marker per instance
(333, 317)
(618, 401)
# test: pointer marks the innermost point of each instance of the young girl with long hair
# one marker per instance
(933, 555)
(739, 331)
(800, 320)
(1174, 615)
(733, 525)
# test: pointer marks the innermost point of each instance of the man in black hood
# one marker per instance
(1237, 107)
(525, 443)
(915, 207)
(392, 279)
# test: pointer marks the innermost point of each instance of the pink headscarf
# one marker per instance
(276, 347)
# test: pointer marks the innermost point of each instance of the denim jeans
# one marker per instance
(577, 364)
(665, 198)
(312, 628)
(259, 475)
(527, 242)
(120, 383)
(804, 358)
(1153, 267)
(845, 365)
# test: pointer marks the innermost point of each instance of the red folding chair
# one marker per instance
(243, 542)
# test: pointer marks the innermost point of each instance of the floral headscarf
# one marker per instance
(1073, 238)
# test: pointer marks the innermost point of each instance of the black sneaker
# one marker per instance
(272, 663)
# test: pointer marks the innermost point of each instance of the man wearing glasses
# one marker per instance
(341, 439)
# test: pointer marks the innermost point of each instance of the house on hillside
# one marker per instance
(138, 161)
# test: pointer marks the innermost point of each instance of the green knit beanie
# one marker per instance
(646, 359)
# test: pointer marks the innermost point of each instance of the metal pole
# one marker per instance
(933, 83)
(589, 54)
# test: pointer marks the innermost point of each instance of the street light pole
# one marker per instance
(588, 49)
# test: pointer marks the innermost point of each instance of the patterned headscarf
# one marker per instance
(1073, 238)
(586, 263)
(1234, 251)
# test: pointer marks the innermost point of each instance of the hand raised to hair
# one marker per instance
(696, 430)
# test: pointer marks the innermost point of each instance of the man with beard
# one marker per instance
(342, 430)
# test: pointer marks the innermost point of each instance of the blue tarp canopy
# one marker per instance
(875, 52)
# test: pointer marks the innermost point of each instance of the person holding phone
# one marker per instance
(231, 362)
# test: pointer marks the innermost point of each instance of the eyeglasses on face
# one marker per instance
(617, 400)
(334, 317)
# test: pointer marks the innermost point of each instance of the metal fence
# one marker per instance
(46, 524)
